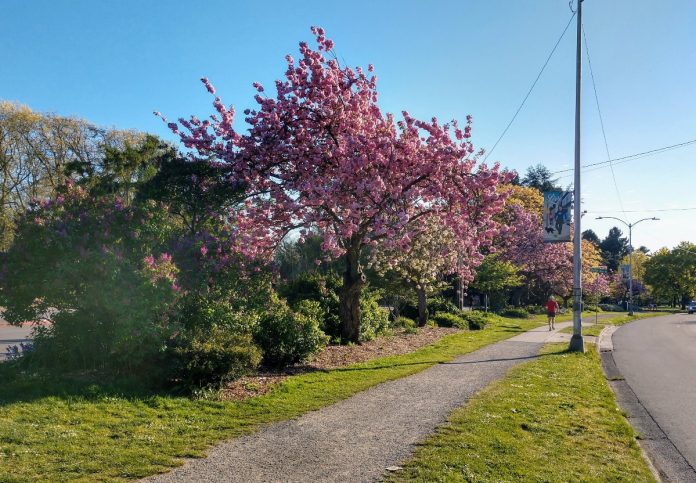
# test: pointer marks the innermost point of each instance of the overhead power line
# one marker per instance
(601, 120)
(531, 88)
(631, 157)
(645, 211)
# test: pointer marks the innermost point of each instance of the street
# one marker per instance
(10, 335)
(657, 358)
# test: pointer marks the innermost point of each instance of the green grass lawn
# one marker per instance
(619, 319)
(552, 419)
(51, 430)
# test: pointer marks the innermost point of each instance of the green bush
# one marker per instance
(410, 311)
(75, 260)
(592, 308)
(196, 313)
(611, 308)
(440, 304)
(374, 319)
(211, 358)
(515, 313)
(535, 309)
(444, 319)
(402, 322)
(478, 320)
(287, 337)
(324, 290)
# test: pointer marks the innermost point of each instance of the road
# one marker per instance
(10, 335)
(657, 357)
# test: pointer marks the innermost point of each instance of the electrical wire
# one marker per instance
(646, 211)
(531, 88)
(630, 157)
(601, 120)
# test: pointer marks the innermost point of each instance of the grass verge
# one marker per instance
(619, 319)
(553, 419)
(56, 431)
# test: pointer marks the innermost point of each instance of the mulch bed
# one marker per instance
(335, 356)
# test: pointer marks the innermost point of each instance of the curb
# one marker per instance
(664, 459)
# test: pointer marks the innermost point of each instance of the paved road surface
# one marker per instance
(10, 336)
(358, 438)
(657, 357)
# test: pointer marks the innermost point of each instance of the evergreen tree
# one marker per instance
(614, 247)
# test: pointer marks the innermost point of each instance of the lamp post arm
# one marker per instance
(643, 219)
(615, 218)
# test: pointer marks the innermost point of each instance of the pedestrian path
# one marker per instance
(358, 438)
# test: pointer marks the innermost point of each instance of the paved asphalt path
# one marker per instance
(657, 358)
(358, 438)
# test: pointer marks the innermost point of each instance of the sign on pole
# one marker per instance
(557, 216)
(600, 269)
(625, 272)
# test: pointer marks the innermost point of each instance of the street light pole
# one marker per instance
(577, 344)
(630, 254)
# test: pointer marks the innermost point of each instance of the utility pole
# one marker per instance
(630, 255)
(577, 344)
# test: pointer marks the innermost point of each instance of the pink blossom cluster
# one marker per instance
(549, 263)
(160, 268)
(321, 154)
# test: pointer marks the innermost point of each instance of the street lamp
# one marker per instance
(630, 254)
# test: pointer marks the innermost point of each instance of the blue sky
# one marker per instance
(114, 63)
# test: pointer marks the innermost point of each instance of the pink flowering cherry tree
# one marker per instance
(431, 255)
(321, 154)
(548, 265)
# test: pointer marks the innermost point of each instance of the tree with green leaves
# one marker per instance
(432, 254)
(614, 247)
(36, 150)
(495, 275)
(672, 274)
(541, 178)
(591, 236)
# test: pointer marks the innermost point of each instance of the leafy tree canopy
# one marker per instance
(613, 248)
(541, 178)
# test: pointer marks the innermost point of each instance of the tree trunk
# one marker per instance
(349, 297)
(566, 299)
(422, 307)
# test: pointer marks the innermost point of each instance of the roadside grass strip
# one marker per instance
(56, 431)
(594, 329)
(552, 419)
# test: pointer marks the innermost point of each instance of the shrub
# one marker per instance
(313, 286)
(611, 308)
(444, 319)
(440, 304)
(200, 313)
(87, 264)
(211, 358)
(410, 311)
(374, 319)
(402, 322)
(592, 308)
(515, 313)
(535, 309)
(478, 320)
(322, 289)
(287, 337)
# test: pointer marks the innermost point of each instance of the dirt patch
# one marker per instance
(335, 356)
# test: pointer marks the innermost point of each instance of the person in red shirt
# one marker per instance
(551, 309)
